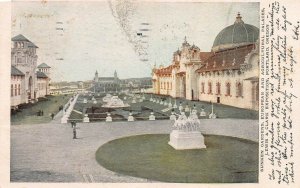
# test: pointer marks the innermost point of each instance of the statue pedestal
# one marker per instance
(181, 140)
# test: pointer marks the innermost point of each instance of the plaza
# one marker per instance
(47, 152)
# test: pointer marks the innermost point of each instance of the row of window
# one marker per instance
(15, 90)
(166, 85)
(16, 78)
(239, 88)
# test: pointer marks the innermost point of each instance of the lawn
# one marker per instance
(28, 115)
(225, 160)
(222, 111)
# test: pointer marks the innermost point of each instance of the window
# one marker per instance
(168, 85)
(11, 90)
(228, 89)
(19, 89)
(218, 85)
(16, 90)
(239, 89)
(202, 87)
(171, 85)
(209, 88)
(164, 85)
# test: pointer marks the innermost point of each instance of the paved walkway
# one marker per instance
(47, 152)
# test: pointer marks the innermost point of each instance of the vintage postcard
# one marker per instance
(160, 93)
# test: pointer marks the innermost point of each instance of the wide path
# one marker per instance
(47, 152)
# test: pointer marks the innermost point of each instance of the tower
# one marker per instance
(24, 58)
(44, 68)
(115, 75)
(96, 78)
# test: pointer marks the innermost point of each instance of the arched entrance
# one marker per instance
(30, 85)
(192, 94)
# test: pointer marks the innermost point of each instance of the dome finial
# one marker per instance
(238, 18)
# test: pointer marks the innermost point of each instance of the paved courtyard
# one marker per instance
(47, 152)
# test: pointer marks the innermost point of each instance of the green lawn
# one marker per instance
(28, 115)
(225, 160)
(222, 111)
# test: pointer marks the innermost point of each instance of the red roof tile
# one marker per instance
(228, 59)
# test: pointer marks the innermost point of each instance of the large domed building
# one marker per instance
(235, 35)
(228, 74)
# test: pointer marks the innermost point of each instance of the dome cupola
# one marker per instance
(236, 35)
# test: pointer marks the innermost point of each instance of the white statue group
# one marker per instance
(184, 123)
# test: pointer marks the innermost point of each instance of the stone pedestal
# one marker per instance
(130, 117)
(181, 140)
(212, 116)
(108, 118)
(86, 119)
(152, 117)
(202, 113)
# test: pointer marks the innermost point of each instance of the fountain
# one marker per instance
(107, 98)
(186, 133)
(115, 102)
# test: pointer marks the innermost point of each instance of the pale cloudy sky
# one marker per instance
(102, 36)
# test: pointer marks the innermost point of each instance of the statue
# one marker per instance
(186, 132)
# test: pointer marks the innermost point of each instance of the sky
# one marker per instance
(78, 38)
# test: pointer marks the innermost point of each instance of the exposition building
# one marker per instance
(228, 74)
(28, 81)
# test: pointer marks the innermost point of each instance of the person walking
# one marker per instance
(52, 116)
(74, 132)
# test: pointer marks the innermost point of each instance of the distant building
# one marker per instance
(106, 84)
(27, 83)
(228, 74)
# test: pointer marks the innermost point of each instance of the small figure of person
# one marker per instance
(74, 132)
(73, 124)
(52, 116)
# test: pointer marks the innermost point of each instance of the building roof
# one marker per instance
(16, 72)
(225, 60)
(205, 55)
(165, 70)
(20, 37)
(236, 35)
(40, 74)
(43, 65)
